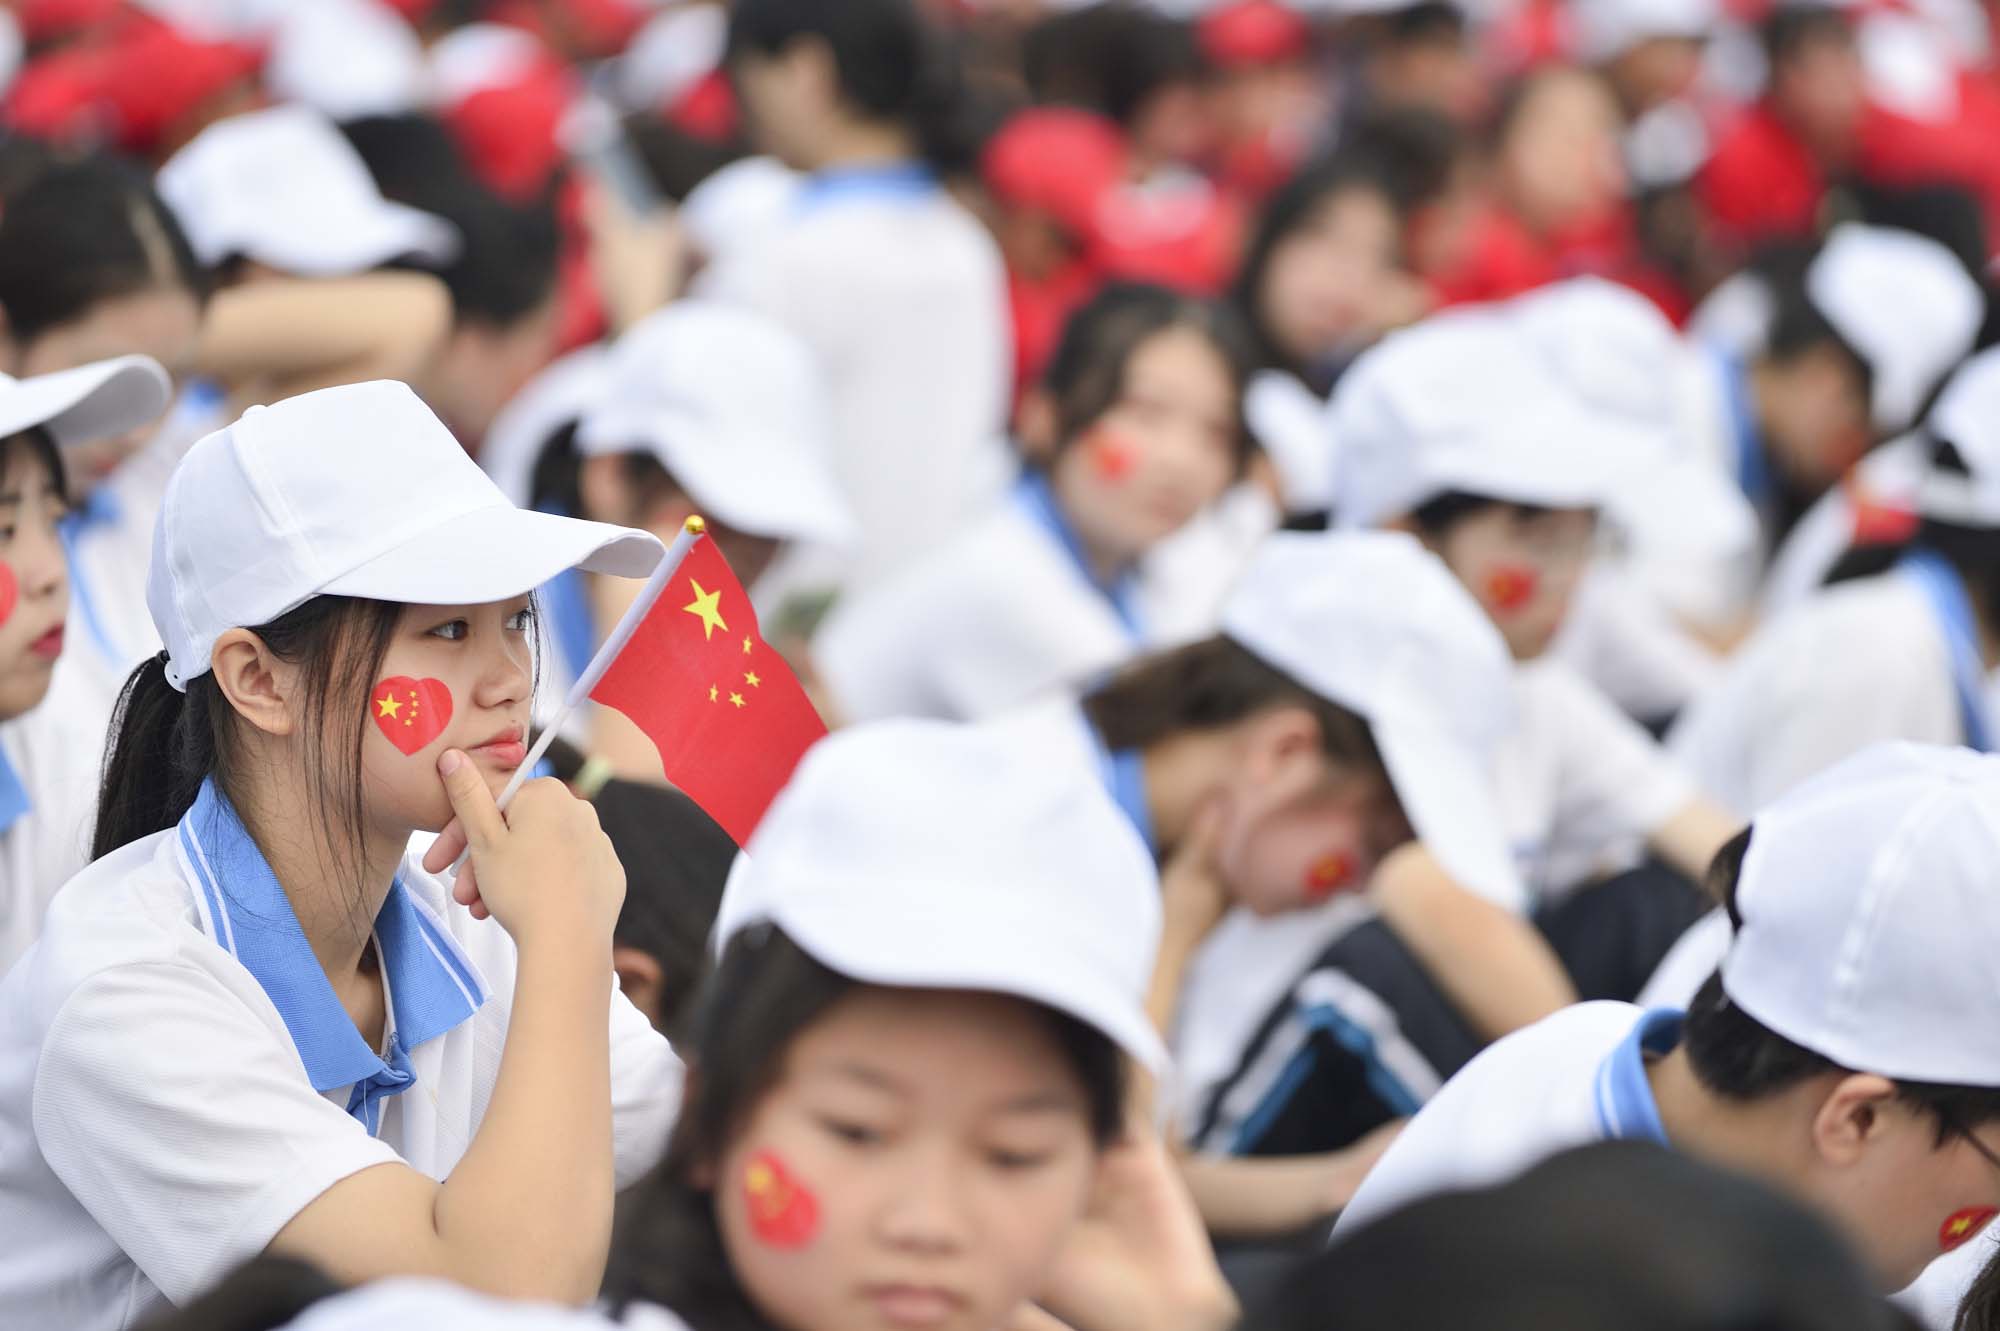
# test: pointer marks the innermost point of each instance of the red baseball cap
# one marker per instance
(1253, 32)
(1059, 161)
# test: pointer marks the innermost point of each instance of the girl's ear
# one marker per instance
(257, 685)
(1036, 425)
(1851, 1117)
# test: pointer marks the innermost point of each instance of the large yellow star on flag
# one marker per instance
(707, 607)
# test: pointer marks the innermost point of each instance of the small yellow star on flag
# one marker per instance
(736, 698)
(751, 679)
(746, 646)
(707, 607)
(712, 693)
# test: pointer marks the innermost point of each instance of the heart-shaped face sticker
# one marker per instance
(1962, 1226)
(1329, 874)
(1512, 586)
(411, 712)
(1112, 456)
(783, 1211)
(10, 592)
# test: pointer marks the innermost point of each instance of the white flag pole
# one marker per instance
(670, 563)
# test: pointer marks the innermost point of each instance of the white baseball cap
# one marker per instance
(559, 394)
(1967, 416)
(1614, 350)
(1870, 912)
(1904, 303)
(95, 401)
(1376, 623)
(353, 491)
(283, 187)
(1460, 402)
(734, 408)
(1606, 29)
(348, 58)
(921, 854)
(739, 206)
(675, 50)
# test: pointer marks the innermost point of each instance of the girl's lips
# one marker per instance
(505, 750)
(49, 646)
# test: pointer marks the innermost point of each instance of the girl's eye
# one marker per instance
(1017, 1162)
(854, 1134)
(454, 631)
(521, 620)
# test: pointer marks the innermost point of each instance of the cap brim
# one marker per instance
(90, 402)
(386, 232)
(1447, 796)
(953, 957)
(792, 499)
(491, 554)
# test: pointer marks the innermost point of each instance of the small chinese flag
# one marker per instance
(726, 713)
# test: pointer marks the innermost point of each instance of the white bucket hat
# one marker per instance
(1374, 622)
(919, 854)
(1967, 416)
(355, 491)
(95, 401)
(283, 187)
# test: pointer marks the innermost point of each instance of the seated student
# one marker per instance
(50, 738)
(1836, 371)
(1614, 1236)
(1136, 428)
(257, 1023)
(1847, 1051)
(700, 408)
(908, 1103)
(94, 265)
(1907, 654)
(1317, 772)
(1450, 431)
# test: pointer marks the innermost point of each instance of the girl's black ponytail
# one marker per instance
(162, 747)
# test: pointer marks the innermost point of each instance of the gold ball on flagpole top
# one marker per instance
(695, 525)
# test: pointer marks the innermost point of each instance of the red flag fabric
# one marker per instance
(726, 713)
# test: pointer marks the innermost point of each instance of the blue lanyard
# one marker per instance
(1941, 586)
(1038, 499)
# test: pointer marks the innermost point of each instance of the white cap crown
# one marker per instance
(923, 855)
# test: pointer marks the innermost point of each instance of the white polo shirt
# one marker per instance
(1578, 784)
(437, 1306)
(901, 293)
(178, 1079)
(995, 617)
(1854, 665)
(49, 763)
(1570, 1079)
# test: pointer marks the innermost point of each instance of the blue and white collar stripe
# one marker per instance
(431, 985)
(1626, 1110)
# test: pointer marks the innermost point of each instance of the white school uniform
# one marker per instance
(49, 760)
(178, 1080)
(999, 615)
(1578, 784)
(437, 1306)
(1858, 663)
(902, 296)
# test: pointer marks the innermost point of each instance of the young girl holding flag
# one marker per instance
(257, 1023)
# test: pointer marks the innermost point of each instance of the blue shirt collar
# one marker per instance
(1952, 609)
(1746, 437)
(885, 180)
(99, 509)
(1037, 499)
(1626, 1110)
(14, 801)
(432, 985)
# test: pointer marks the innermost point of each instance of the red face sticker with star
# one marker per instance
(1113, 457)
(1330, 873)
(783, 1211)
(1510, 587)
(1961, 1227)
(411, 712)
(10, 592)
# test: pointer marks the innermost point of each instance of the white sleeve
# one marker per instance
(182, 1123)
(646, 1078)
(1615, 783)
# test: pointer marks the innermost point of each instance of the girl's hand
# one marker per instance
(543, 865)
(1139, 1260)
(1193, 897)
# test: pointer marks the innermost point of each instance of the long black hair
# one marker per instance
(892, 67)
(74, 233)
(765, 992)
(165, 743)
